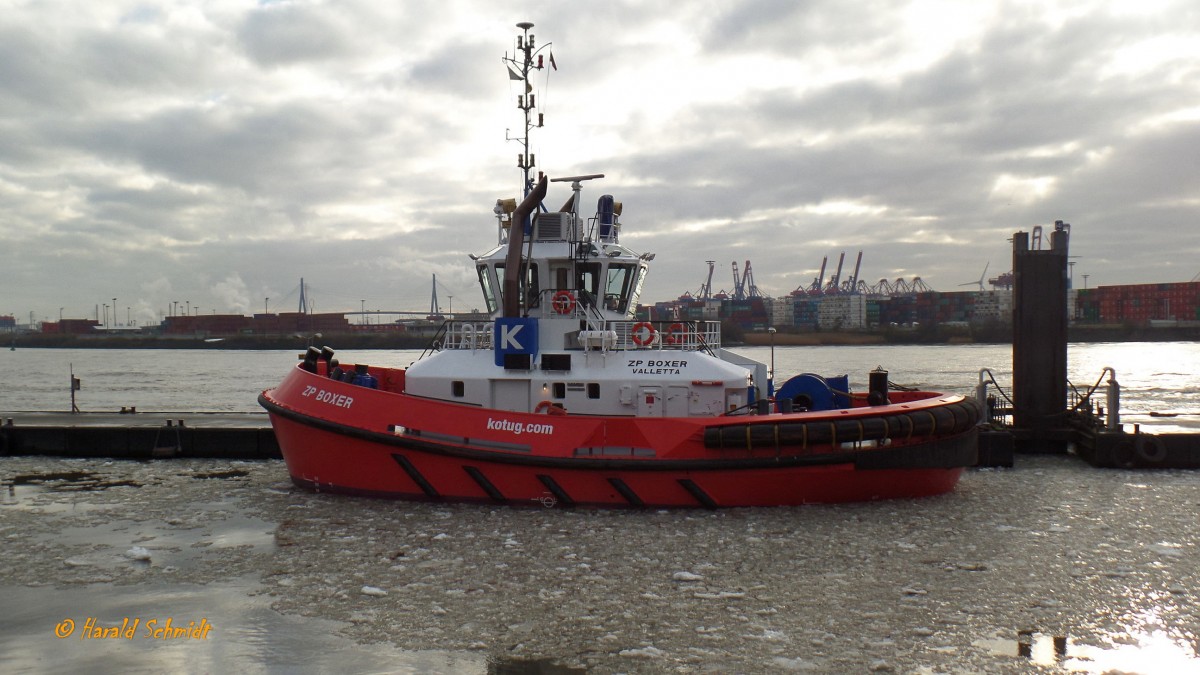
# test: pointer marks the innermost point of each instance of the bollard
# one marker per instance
(1114, 401)
(877, 386)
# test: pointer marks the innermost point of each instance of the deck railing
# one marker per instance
(468, 335)
(607, 335)
(666, 335)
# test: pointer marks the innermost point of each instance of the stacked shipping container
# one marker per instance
(1136, 304)
(1139, 304)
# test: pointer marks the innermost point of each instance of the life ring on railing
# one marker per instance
(676, 334)
(642, 334)
(563, 302)
(549, 408)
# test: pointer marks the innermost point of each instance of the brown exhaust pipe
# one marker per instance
(516, 237)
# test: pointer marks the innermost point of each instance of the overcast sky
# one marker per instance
(214, 152)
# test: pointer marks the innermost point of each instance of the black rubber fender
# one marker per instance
(1150, 449)
(1124, 454)
(951, 419)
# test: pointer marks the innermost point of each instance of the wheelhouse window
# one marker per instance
(487, 284)
(623, 286)
(587, 280)
(636, 293)
(529, 282)
(616, 287)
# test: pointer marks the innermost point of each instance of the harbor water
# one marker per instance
(1052, 566)
(1159, 378)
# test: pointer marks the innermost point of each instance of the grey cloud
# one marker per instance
(160, 161)
(795, 28)
(288, 33)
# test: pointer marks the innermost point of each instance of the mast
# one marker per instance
(520, 65)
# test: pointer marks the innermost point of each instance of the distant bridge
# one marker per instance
(402, 313)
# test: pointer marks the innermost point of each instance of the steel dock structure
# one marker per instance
(138, 435)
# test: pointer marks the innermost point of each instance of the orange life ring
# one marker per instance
(642, 334)
(549, 408)
(563, 302)
(676, 334)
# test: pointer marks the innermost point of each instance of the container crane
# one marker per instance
(748, 282)
(815, 287)
(851, 285)
(704, 293)
(835, 281)
(706, 289)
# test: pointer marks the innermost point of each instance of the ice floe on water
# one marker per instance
(140, 553)
(909, 586)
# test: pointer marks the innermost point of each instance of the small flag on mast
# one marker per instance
(512, 75)
(552, 64)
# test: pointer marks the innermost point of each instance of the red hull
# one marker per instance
(344, 438)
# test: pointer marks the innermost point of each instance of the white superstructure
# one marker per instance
(573, 342)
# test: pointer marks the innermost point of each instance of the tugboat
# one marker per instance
(564, 398)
